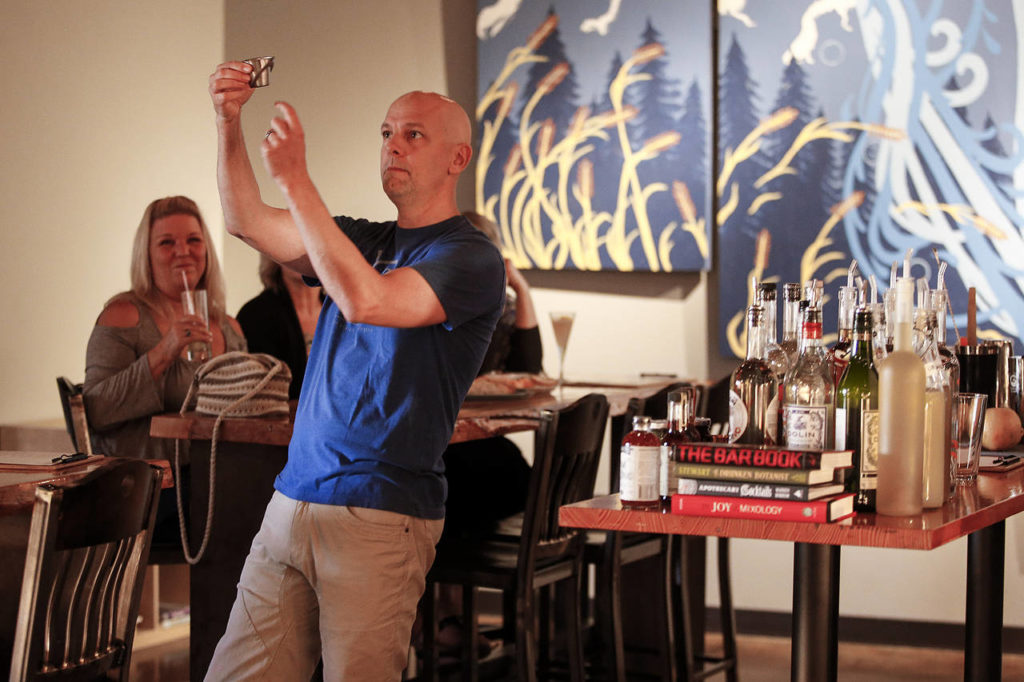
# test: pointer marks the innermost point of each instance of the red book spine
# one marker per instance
(815, 511)
(764, 457)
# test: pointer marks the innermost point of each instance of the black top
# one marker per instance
(271, 326)
(512, 349)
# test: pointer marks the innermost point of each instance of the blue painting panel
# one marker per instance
(594, 123)
(866, 130)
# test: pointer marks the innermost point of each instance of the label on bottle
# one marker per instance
(665, 456)
(771, 419)
(738, 417)
(638, 473)
(806, 426)
(868, 448)
(841, 417)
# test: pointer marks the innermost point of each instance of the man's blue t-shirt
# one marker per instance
(378, 404)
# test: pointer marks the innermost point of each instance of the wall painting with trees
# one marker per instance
(594, 139)
(861, 129)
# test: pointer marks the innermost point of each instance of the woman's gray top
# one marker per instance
(121, 394)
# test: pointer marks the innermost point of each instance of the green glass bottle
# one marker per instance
(857, 414)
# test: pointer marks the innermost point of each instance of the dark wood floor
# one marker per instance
(762, 659)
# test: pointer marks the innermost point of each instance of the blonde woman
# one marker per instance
(134, 363)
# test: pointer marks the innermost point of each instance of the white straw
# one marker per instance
(874, 289)
(851, 273)
(188, 299)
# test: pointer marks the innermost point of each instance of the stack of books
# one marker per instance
(760, 482)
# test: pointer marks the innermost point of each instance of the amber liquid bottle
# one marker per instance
(638, 466)
(677, 434)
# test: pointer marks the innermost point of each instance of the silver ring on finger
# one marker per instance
(269, 133)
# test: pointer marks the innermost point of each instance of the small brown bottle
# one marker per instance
(638, 466)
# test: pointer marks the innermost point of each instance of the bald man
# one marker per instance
(340, 561)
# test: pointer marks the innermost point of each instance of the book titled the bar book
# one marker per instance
(761, 456)
(824, 510)
(760, 491)
(722, 472)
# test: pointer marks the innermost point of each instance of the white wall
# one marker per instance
(106, 108)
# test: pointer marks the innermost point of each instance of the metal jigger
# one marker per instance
(261, 68)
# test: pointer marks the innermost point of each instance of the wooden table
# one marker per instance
(17, 498)
(250, 454)
(979, 512)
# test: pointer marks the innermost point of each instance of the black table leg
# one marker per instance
(983, 646)
(815, 613)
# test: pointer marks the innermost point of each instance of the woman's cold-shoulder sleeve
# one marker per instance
(118, 383)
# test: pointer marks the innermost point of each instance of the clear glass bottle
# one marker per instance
(937, 467)
(901, 384)
(791, 322)
(809, 402)
(857, 413)
(638, 466)
(879, 336)
(752, 389)
(774, 355)
(675, 436)
(839, 353)
(939, 300)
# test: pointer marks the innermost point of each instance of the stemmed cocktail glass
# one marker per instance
(561, 322)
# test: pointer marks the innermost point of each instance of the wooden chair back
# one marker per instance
(87, 551)
(567, 450)
(73, 405)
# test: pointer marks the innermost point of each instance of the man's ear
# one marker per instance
(460, 159)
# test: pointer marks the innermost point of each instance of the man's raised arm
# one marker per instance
(265, 228)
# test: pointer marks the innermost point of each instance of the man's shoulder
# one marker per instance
(363, 224)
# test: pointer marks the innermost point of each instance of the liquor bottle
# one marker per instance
(878, 315)
(774, 355)
(839, 353)
(638, 466)
(901, 384)
(791, 322)
(857, 413)
(939, 304)
(937, 469)
(688, 399)
(752, 388)
(809, 402)
(675, 436)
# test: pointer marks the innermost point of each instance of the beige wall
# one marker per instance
(106, 108)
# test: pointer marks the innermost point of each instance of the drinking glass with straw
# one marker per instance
(194, 302)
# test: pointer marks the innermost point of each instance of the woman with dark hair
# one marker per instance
(282, 319)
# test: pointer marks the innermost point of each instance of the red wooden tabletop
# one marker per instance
(993, 498)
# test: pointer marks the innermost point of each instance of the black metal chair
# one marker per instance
(609, 552)
(566, 455)
(87, 550)
(695, 663)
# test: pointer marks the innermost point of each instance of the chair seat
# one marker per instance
(635, 546)
(494, 564)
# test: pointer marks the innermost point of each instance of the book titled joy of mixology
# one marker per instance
(757, 482)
